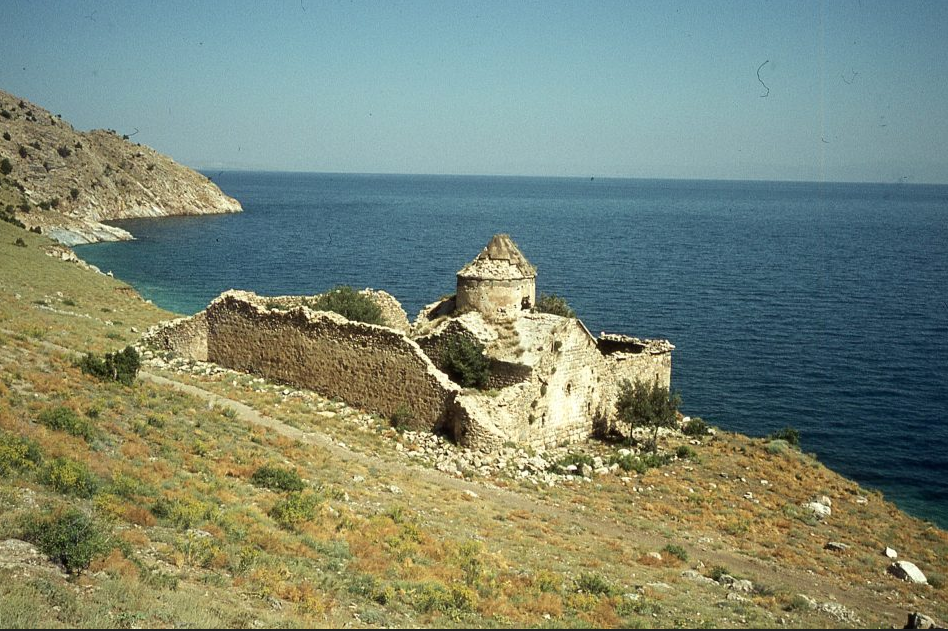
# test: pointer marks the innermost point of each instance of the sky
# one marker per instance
(801, 90)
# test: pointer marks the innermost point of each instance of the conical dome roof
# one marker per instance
(500, 260)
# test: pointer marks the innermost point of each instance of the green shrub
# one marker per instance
(66, 420)
(788, 434)
(640, 464)
(551, 303)
(464, 361)
(70, 537)
(592, 583)
(183, 512)
(121, 366)
(69, 476)
(6, 167)
(64, 151)
(676, 551)
(647, 405)
(277, 479)
(451, 600)
(293, 510)
(18, 453)
(776, 447)
(695, 427)
(685, 452)
(349, 303)
(402, 417)
(6, 136)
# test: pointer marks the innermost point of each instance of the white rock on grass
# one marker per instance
(889, 552)
(907, 571)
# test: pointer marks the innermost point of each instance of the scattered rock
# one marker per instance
(736, 584)
(839, 612)
(698, 577)
(655, 555)
(836, 546)
(808, 602)
(394, 490)
(907, 571)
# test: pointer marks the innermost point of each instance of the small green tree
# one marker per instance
(557, 305)
(350, 304)
(121, 366)
(69, 537)
(464, 361)
(5, 167)
(642, 404)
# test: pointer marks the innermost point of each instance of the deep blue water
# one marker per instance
(820, 306)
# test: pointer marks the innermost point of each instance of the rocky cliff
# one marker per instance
(71, 181)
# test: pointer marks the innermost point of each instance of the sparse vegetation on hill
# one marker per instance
(181, 513)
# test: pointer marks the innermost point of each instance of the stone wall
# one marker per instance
(487, 296)
(368, 366)
(185, 337)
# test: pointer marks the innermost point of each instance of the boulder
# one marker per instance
(836, 546)
(892, 554)
(907, 571)
(920, 621)
(820, 510)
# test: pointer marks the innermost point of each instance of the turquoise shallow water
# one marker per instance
(820, 306)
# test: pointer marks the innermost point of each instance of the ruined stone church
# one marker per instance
(550, 380)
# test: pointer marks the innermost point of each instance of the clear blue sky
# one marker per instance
(858, 91)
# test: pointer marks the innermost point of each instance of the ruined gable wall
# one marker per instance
(368, 366)
(185, 337)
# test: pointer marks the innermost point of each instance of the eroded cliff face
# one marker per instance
(71, 181)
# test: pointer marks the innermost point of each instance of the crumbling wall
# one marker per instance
(185, 337)
(369, 366)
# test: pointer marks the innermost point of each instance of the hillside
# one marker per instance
(65, 182)
(215, 499)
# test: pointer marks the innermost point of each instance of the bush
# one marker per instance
(695, 427)
(277, 479)
(788, 434)
(640, 464)
(71, 538)
(5, 167)
(350, 304)
(66, 420)
(22, 151)
(64, 152)
(685, 452)
(647, 405)
(293, 510)
(592, 583)
(18, 453)
(777, 447)
(551, 303)
(6, 136)
(464, 361)
(121, 366)
(676, 551)
(183, 512)
(402, 417)
(449, 600)
(69, 476)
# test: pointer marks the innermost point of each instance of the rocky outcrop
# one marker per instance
(72, 181)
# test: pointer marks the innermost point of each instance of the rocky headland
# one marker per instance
(65, 183)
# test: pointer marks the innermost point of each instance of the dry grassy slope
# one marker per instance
(390, 542)
(81, 178)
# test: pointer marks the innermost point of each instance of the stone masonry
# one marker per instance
(551, 381)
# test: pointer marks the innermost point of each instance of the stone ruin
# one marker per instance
(550, 382)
